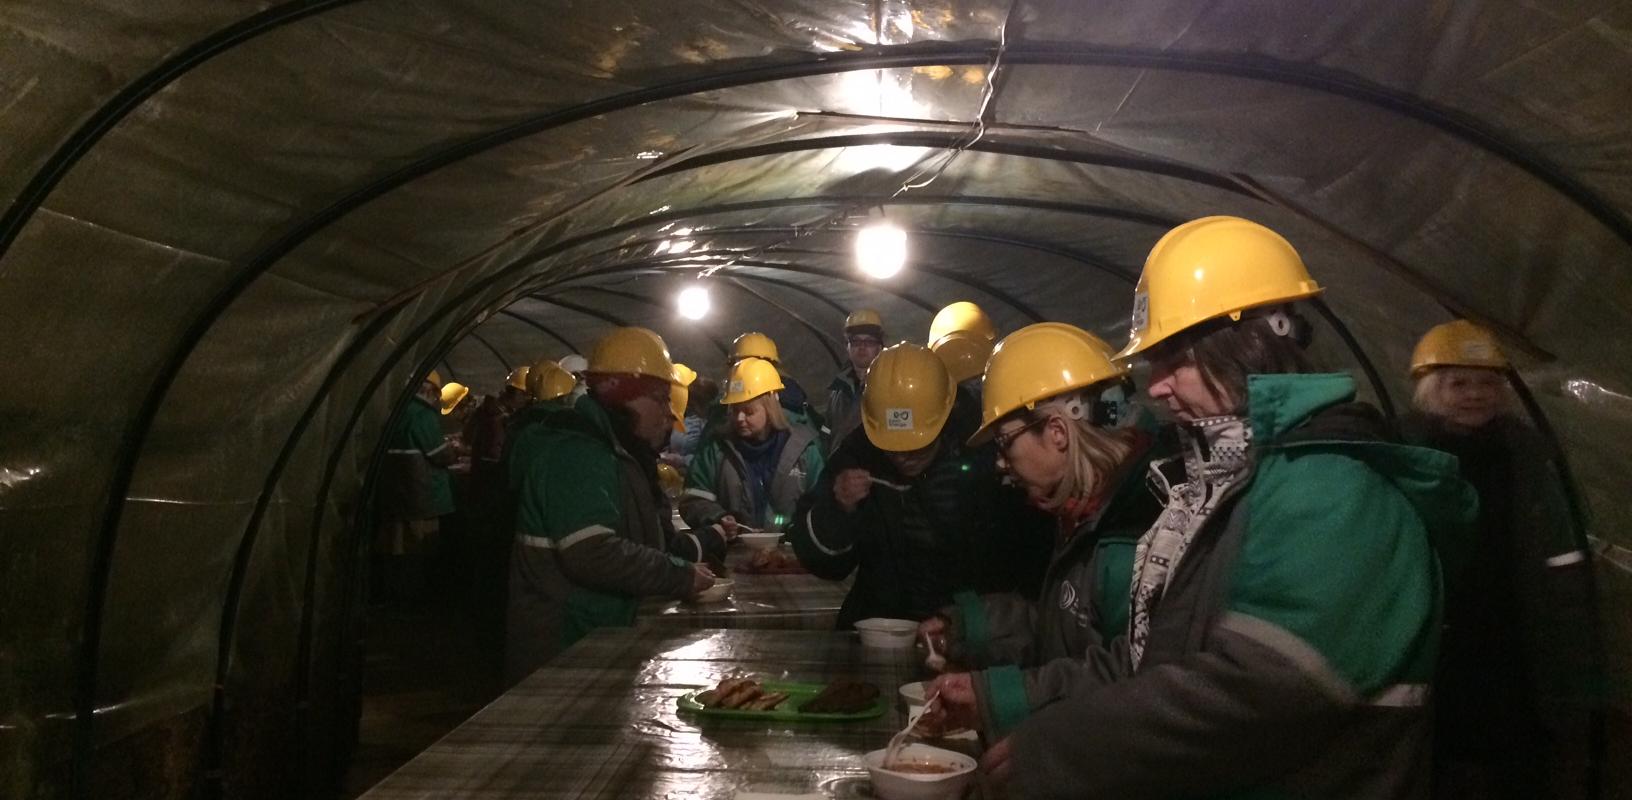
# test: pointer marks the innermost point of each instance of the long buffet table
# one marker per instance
(601, 721)
(799, 601)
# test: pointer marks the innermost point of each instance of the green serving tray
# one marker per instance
(787, 711)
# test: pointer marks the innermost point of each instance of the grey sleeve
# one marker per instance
(1229, 717)
(699, 511)
(1009, 620)
(612, 563)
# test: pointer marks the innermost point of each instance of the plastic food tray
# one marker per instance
(788, 710)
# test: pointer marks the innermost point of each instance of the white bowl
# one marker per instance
(893, 785)
(716, 593)
(892, 634)
(760, 541)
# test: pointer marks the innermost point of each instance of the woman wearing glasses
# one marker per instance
(1055, 405)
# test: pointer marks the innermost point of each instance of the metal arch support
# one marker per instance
(713, 338)
(1127, 277)
(928, 307)
(815, 332)
(1372, 375)
(938, 139)
(540, 327)
(948, 275)
(504, 363)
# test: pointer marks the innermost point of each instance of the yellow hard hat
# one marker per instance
(546, 380)
(964, 352)
(750, 378)
(863, 318)
(1037, 362)
(908, 398)
(1456, 344)
(434, 377)
(668, 478)
(962, 316)
(1210, 268)
(632, 351)
(678, 394)
(453, 393)
(517, 379)
(754, 345)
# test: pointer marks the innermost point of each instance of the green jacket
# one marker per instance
(590, 539)
(1291, 652)
(717, 482)
(414, 482)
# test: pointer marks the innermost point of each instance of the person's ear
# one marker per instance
(1056, 434)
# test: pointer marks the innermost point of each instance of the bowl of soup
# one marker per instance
(920, 772)
(760, 541)
(887, 634)
(718, 593)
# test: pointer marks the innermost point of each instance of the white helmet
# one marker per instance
(574, 363)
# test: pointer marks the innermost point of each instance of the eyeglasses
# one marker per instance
(863, 341)
(1006, 440)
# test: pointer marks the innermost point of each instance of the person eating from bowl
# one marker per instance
(1285, 609)
(912, 510)
(755, 473)
(1056, 406)
(591, 536)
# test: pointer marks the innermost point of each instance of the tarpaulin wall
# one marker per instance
(236, 232)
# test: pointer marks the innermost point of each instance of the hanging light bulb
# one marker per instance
(694, 302)
(881, 249)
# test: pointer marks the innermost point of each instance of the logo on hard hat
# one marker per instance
(736, 387)
(898, 419)
(1477, 350)
(1141, 311)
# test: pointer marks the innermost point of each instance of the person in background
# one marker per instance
(679, 400)
(703, 394)
(755, 473)
(549, 389)
(911, 509)
(1519, 663)
(963, 336)
(863, 339)
(591, 535)
(1058, 409)
(414, 494)
(795, 403)
(488, 426)
(1285, 605)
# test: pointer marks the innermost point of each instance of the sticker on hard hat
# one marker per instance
(735, 388)
(1141, 311)
(1477, 350)
(898, 419)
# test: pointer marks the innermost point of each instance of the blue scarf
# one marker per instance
(761, 461)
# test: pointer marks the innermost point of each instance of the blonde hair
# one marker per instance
(1428, 396)
(774, 415)
(1093, 453)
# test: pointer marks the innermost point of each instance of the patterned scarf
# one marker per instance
(1216, 463)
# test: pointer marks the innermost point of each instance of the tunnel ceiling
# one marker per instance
(235, 231)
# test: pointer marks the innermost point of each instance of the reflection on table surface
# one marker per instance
(601, 721)
(798, 601)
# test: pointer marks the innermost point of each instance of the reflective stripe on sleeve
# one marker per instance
(580, 535)
(703, 493)
(810, 525)
(438, 448)
(1293, 648)
(540, 542)
(1401, 695)
(1566, 559)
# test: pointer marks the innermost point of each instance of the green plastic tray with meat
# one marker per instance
(787, 710)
